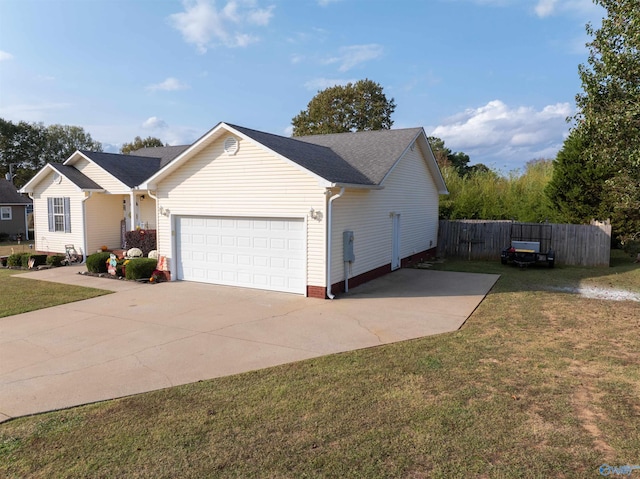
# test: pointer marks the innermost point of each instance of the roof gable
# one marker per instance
(362, 159)
(79, 179)
(130, 170)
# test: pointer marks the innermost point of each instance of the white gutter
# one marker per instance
(84, 229)
(329, 233)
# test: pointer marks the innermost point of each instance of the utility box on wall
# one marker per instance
(347, 246)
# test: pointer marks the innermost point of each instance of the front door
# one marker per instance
(395, 242)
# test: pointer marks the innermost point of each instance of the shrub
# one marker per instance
(24, 259)
(14, 260)
(140, 268)
(55, 260)
(97, 262)
(4, 237)
(145, 240)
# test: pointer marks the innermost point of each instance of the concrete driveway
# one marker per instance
(145, 337)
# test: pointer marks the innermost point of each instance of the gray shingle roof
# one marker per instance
(131, 170)
(362, 158)
(10, 196)
(316, 158)
(373, 153)
(165, 153)
(76, 177)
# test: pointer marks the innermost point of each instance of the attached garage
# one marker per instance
(241, 207)
(263, 253)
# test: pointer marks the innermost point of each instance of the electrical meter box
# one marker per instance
(347, 247)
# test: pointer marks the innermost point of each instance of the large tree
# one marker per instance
(137, 143)
(29, 146)
(358, 106)
(458, 160)
(578, 182)
(609, 111)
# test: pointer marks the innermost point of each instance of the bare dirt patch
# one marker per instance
(594, 292)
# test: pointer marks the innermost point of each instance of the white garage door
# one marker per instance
(264, 253)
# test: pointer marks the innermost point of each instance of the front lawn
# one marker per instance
(20, 295)
(540, 382)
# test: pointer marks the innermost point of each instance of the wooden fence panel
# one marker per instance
(575, 245)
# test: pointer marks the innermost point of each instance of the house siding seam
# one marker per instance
(367, 214)
(251, 183)
(54, 241)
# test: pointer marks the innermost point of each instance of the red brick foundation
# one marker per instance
(321, 292)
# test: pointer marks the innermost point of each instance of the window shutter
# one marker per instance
(50, 211)
(67, 215)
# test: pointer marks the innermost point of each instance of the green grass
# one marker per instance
(537, 383)
(20, 295)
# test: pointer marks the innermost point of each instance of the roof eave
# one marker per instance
(355, 186)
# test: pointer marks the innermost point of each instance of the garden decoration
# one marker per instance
(112, 262)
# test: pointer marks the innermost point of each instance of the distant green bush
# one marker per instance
(55, 260)
(24, 259)
(14, 260)
(140, 268)
(97, 262)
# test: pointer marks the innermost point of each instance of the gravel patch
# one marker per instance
(600, 293)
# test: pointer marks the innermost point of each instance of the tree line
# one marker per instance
(26, 147)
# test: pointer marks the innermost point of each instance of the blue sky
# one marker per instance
(493, 78)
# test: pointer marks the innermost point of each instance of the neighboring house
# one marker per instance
(14, 210)
(246, 208)
(89, 199)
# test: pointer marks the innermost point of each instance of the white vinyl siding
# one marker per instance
(105, 180)
(54, 241)
(252, 183)
(409, 191)
(147, 210)
(104, 213)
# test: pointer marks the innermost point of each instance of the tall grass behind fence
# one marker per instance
(574, 245)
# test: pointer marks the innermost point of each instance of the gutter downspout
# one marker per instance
(84, 229)
(329, 233)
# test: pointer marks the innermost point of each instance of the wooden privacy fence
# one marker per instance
(575, 245)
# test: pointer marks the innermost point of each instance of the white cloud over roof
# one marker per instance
(506, 134)
(203, 25)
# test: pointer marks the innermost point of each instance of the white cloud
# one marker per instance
(354, 55)
(498, 132)
(322, 83)
(202, 24)
(544, 8)
(5, 56)
(170, 84)
(154, 123)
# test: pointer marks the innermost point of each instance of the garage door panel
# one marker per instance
(249, 252)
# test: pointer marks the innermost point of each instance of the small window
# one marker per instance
(59, 214)
(5, 213)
